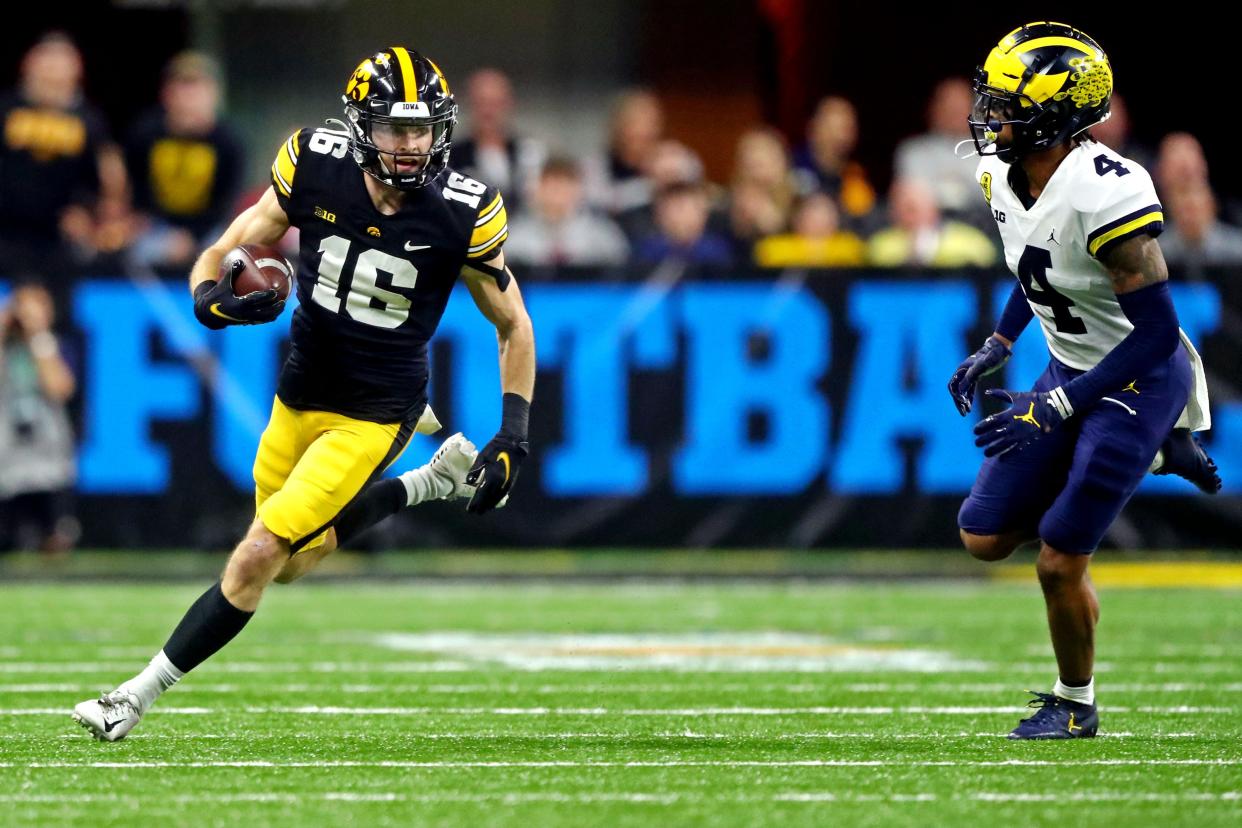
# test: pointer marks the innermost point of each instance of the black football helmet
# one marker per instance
(1047, 82)
(399, 86)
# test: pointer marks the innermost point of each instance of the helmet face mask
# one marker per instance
(1043, 84)
(388, 98)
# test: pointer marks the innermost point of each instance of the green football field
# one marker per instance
(780, 702)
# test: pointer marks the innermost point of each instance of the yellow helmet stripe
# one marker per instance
(440, 75)
(408, 80)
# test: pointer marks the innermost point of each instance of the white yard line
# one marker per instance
(669, 763)
(510, 736)
(662, 798)
(316, 710)
(822, 688)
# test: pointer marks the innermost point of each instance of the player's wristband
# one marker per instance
(515, 416)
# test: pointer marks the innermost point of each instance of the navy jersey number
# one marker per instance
(1105, 165)
(1033, 273)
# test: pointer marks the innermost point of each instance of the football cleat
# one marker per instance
(1057, 718)
(110, 717)
(1183, 455)
(444, 476)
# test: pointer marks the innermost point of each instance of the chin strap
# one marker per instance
(957, 149)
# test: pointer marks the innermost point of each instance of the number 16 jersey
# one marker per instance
(1095, 200)
(372, 287)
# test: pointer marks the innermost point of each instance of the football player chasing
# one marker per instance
(387, 228)
(1124, 388)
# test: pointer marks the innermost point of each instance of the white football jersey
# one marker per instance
(1095, 200)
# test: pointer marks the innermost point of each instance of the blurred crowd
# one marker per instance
(73, 196)
(151, 198)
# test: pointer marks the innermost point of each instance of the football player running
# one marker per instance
(1124, 387)
(386, 229)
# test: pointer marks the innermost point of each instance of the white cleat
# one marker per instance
(448, 467)
(110, 717)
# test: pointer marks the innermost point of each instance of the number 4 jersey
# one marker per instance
(1095, 200)
(372, 287)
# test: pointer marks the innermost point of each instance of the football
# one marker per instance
(264, 268)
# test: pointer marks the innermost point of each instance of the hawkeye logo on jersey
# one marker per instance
(985, 181)
(373, 231)
(325, 215)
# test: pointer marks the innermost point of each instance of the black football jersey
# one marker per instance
(372, 288)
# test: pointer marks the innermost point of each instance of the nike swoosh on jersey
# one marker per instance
(412, 247)
(215, 310)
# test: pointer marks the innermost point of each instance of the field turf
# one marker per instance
(621, 703)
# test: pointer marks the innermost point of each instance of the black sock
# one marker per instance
(373, 504)
(1075, 683)
(209, 624)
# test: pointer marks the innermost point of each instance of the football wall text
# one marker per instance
(779, 411)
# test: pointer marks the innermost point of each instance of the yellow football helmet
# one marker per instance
(1047, 82)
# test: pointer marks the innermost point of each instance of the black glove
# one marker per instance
(495, 470)
(982, 362)
(216, 307)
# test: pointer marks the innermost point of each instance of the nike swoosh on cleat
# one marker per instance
(215, 310)
(109, 725)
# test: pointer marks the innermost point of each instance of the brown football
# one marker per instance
(264, 268)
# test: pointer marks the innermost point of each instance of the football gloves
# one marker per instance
(216, 307)
(1030, 415)
(494, 471)
(982, 362)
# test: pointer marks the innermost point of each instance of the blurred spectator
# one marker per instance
(932, 156)
(1197, 238)
(63, 180)
(618, 181)
(36, 440)
(1180, 165)
(919, 236)
(763, 188)
(557, 229)
(672, 162)
(681, 212)
(1115, 134)
(816, 240)
(825, 163)
(186, 165)
(493, 152)
(754, 212)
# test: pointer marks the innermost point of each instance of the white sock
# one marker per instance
(422, 484)
(155, 678)
(1082, 695)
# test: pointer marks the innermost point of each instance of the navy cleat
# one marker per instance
(1057, 718)
(1184, 456)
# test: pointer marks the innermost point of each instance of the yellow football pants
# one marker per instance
(311, 464)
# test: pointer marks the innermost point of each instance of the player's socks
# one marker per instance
(1083, 694)
(209, 624)
(151, 683)
(441, 478)
(376, 502)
